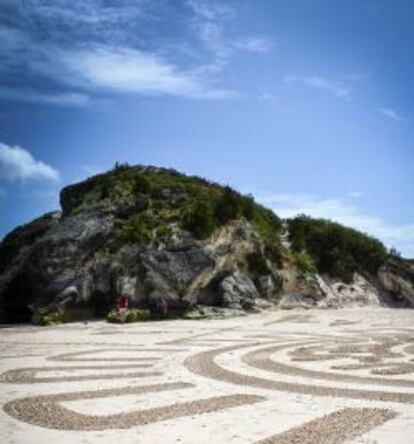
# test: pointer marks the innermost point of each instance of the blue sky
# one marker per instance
(307, 104)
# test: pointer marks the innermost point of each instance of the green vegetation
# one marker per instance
(137, 228)
(194, 314)
(336, 250)
(269, 226)
(128, 316)
(304, 262)
(52, 318)
(199, 219)
(257, 264)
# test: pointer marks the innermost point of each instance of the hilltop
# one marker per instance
(164, 239)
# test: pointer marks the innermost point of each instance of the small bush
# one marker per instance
(248, 206)
(137, 228)
(52, 318)
(304, 262)
(141, 184)
(164, 231)
(268, 225)
(257, 264)
(194, 314)
(135, 315)
(199, 220)
(228, 206)
(128, 316)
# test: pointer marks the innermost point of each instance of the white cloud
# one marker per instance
(60, 99)
(16, 163)
(211, 23)
(210, 10)
(388, 112)
(334, 87)
(286, 206)
(124, 69)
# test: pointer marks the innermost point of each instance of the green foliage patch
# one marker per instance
(336, 250)
(304, 262)
(128, 316)
(53, 318)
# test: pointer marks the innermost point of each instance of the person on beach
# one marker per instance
(121, 303)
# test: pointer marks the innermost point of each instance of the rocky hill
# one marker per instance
(172, 243)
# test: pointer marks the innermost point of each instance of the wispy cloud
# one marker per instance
(66, 53)
(390, 113)
(211, 22)
(339, 210)
(59, 99)
(124, 69)
(16, 164)
(334, 87)
(211, 10)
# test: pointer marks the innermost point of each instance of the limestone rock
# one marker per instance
(292, 300)
(238, 291)
(268, 286)
(397, 277)
(358, 292)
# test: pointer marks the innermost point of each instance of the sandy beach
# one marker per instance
(312, 376)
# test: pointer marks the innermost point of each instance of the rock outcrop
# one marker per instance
(397, 277)
(139, 232)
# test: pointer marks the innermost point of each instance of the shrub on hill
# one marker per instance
(336, 250)
(199, 219)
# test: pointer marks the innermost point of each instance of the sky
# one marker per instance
(306, 104)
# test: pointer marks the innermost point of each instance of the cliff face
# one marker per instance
(167, 242)
(396, 276)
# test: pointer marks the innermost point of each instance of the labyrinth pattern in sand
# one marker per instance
(212, 372)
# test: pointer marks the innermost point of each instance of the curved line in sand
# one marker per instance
(203, 364)
(45, 411)
(262, 359)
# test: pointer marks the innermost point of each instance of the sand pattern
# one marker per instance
(335, 428)
(28, 375)
(45, 411)
(224, 371)
(204, 364)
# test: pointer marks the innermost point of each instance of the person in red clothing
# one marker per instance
(121, 303)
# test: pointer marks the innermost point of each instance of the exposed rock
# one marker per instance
(268, 287)
(397, 277)
(263, 304)
(296, 282)
(358, 292)
(210, 312)
(238, 291)
(292, 300)
(181, 241)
